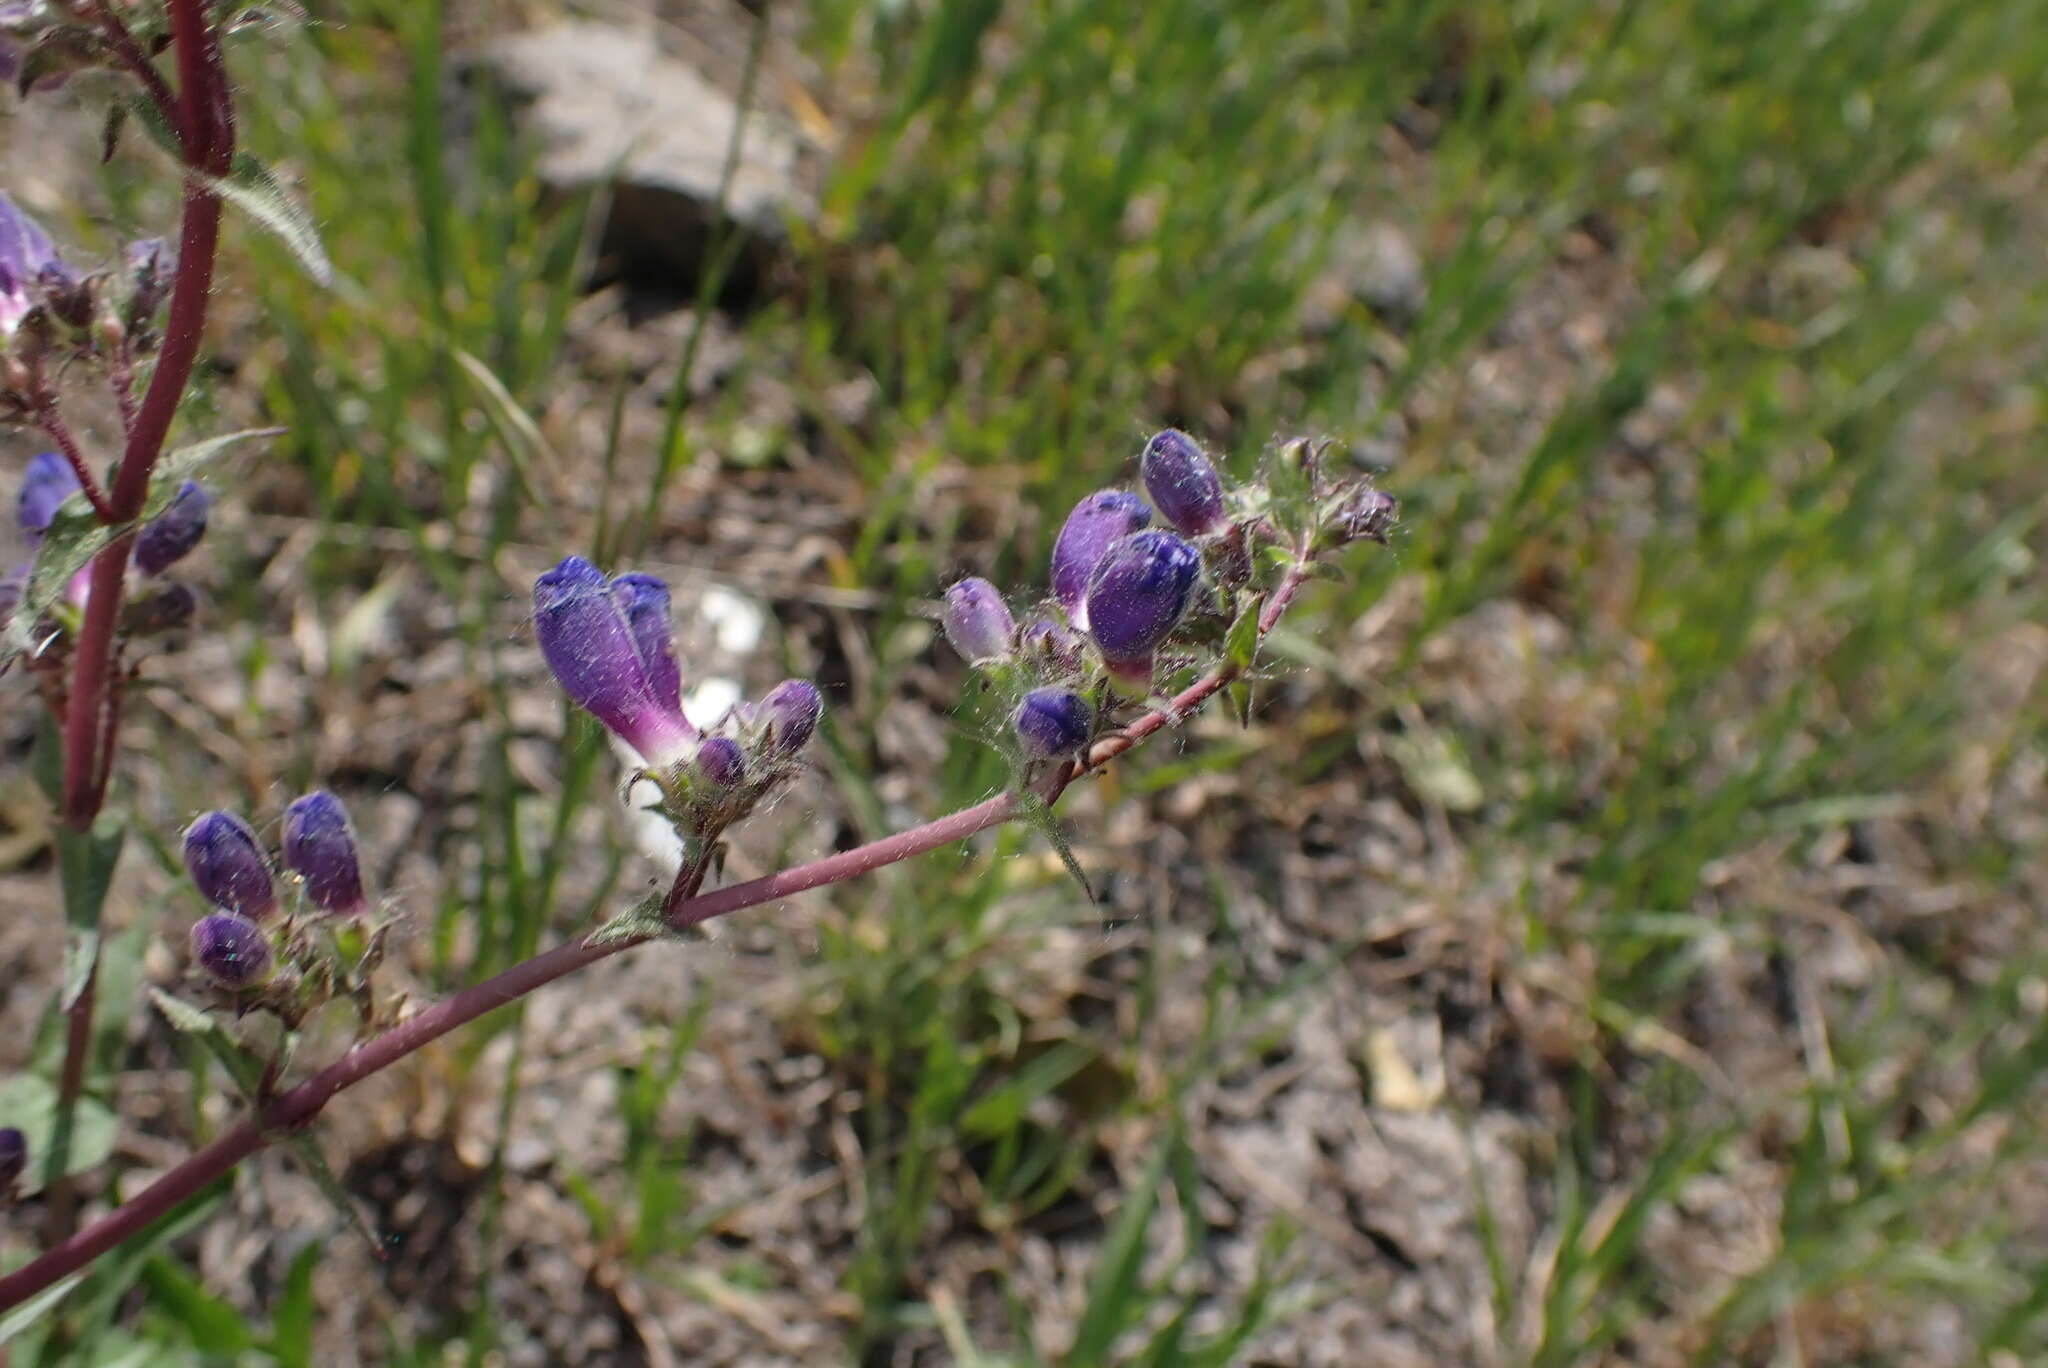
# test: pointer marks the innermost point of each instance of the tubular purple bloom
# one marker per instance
(320, 847)
(1368, 516)
(791, 709)
(225, 860)
(977, 621)
(172, 606)
(1096, 521)
(1138, 594)
(721, 760)
(1052, 723)
(233, 951)
(588, 644)
(644, 600)
(45, 485)
(166, 538)
(1182, 483)
(13, 1158)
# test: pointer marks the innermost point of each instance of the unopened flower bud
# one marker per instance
(1053, 722)
(170, 607)
(791, 711)
(589, 645)
(1230, 556)
(151, 266)
(1138, 595)
(1182, 482)
(720, 760)
(233, 951)
(13, 1158)
(320, 847)
(45, 485)
(977, 621)
(1052, 644)
(166, 538)
(644, 600)
(1367, 515)
(226, 862)
(1096, 522)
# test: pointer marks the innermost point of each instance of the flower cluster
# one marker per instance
(1125, 594)
(54, 314)
(289, 960)
(610, 644)
(162, 542)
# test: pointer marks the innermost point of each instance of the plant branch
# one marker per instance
(131, 55)
(294, 1110)
(59, 432)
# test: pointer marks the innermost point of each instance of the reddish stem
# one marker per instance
(122, 41)
(60, 433)
(294, 1110)
(91, 713)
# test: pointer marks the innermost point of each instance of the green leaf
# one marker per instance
(86, 861)
(76, 535)
(212, 1323)
(252, 188)
(1114, 1299)
(642, 921)
(35, 1308)
(1242, 643)
(291, 1332)
(29, 1102)
(1035, 811)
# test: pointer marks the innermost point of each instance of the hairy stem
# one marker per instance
(293, 1110)
(91, 712)
(52, 419)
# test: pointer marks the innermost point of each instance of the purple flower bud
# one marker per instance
(1052, 643)
(234, 952)
(1096, 521)
(590, 647)
(45, 485)
(320, 847)
(151, 266)
(13, 1158)
(1052, 723)
(721, 761)
(791, 710)
(1182, 483)
(977, 621)
(27, 259)
(1367, 515)
(644, 600)
(1138, 595)
(227, 863)
(166, 538)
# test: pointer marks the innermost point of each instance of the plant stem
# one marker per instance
(91, 715)
(59, 432)
(295, 1109)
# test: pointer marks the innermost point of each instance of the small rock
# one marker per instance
(605, 105)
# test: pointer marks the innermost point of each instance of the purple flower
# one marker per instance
(45, 485)
(1053, 723)
(13, 1158)
(27, 258)
(1182, 483)
(644, 599)
(592, 650)
(721, 761)
(791, 711)
(977, 621)
(1096, 521)
(166, 538)
(233, 951)
(320, 847)
(1137, 597)
(227, 863)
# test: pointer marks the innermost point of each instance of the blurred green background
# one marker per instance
(1617, 939)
